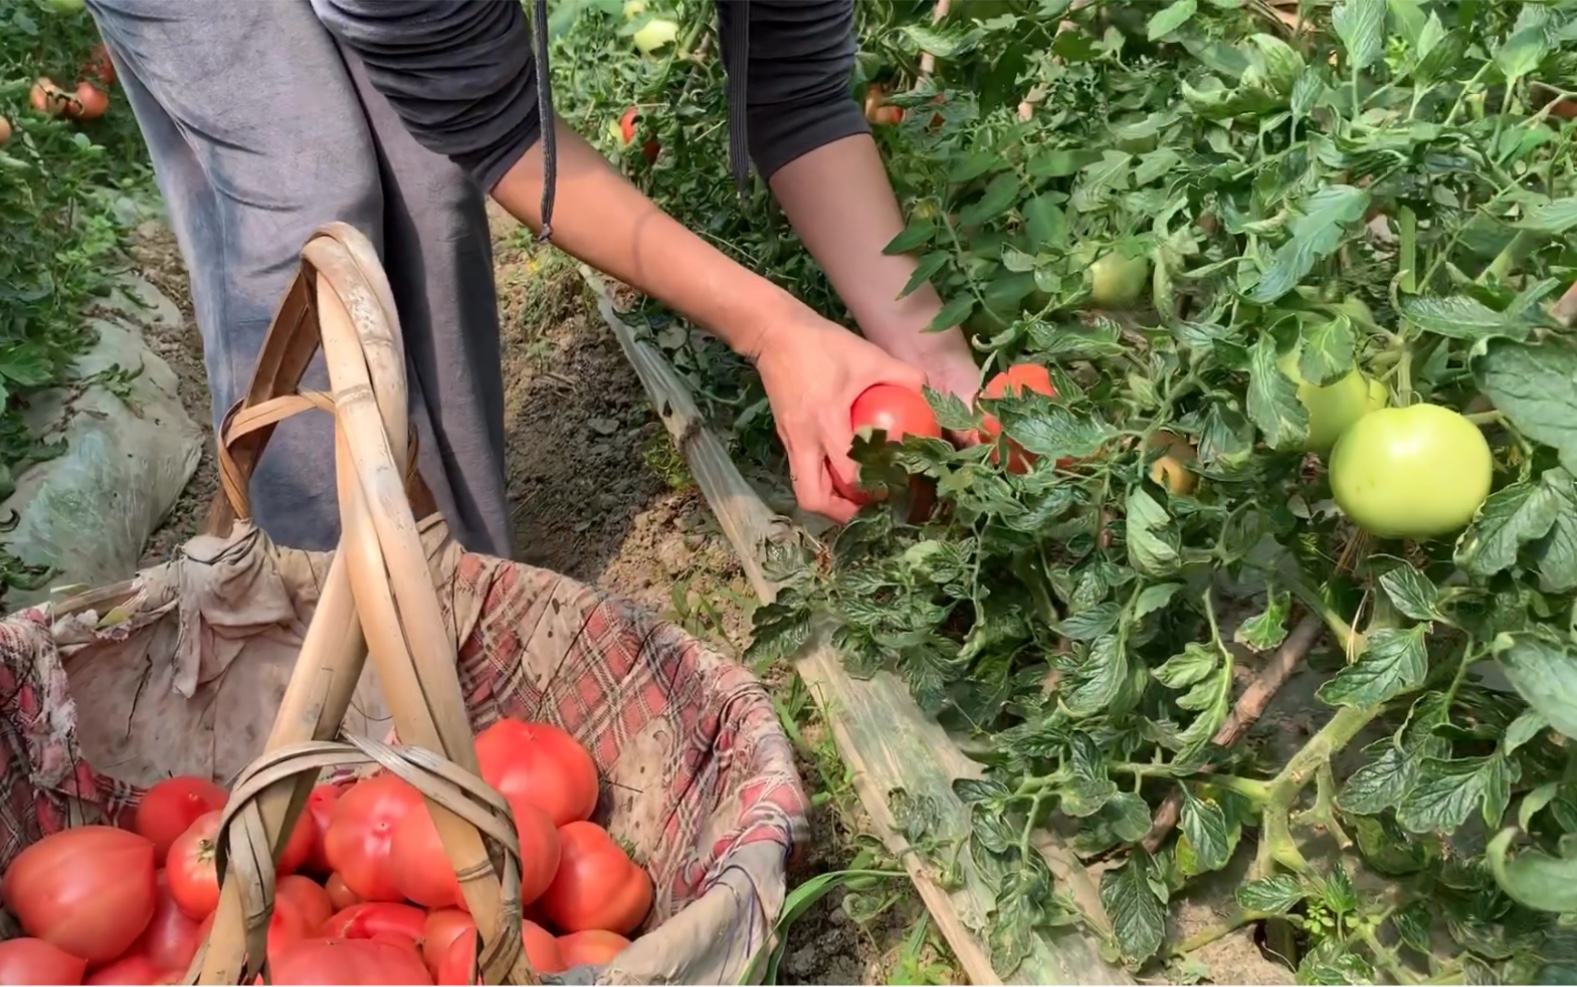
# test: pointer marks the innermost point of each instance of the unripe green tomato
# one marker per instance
(1117, 280)
(1335, 406)
(657, 33)
(1415, 472)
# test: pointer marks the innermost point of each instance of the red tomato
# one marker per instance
(423, 873)
(893, 410)
(373, 918)
(286, 926)
(541, 764)
(172, 937)
(298, 848)
(627, 125)
(34, 961)
(5, 131)
(593, 947)
(458, 963)
(89, 890)
(88, 103)
(443, 927)
(348, 961)
(340, 894)
(170, 807)
(320, 808)
(194, 878)
(98, 66)
(597, 885)
(1013, 382)
(133, 969)
(542, 950)
(361, 831)
(48, 98)
(308, 898)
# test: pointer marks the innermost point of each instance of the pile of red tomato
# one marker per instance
(365, 893)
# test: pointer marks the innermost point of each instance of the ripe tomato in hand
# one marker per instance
(895, 411)
(194, 878)
(34, 961)
(88, 890)
(348, 961)
(132, 969)
(1013, 382)
(340, 894)
(423, 873)
(308, 898)
(361, 831)
(172, 937)
(319, 810)
(593, 947)
(373, 918)
(540, 763)
(170, 807)
(597, 885)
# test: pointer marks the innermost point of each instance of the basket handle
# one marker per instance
(378, 583)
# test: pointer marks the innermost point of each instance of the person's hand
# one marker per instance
(813, 370)
(947, 362)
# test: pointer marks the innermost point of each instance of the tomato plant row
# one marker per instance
(1299, 280)
(104, 906)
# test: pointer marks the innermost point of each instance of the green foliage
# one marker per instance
(1388, 190)
(66, 196)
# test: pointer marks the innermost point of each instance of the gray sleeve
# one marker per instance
(800, 59)
(458, 73)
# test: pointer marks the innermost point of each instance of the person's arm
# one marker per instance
(812, 369)
(809, 138)
(460, 78)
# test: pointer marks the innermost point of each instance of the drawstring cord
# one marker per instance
(546, 118)
(738, 77)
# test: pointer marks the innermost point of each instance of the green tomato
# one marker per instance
(1335, 406)
(657, 33)
(1414, 472)
(634, 8)
(1117, 280)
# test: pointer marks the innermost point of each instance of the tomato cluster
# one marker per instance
(365, 893)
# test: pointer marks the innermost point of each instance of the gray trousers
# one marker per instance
(261, 129)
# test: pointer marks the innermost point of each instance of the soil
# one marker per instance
(599, 494)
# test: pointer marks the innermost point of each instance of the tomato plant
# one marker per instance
(34, 961)
(540, 764)
(597, 885)
(172, 805)
(361, 835)
(89, 890)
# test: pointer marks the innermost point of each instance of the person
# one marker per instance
(265, 120)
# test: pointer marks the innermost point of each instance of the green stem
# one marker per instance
(1493, 417)
(1205, 937)
(1276, 843)
(1509, 255)
(1466, 88)
(1351, 641)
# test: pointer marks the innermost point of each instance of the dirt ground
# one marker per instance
(600, 494)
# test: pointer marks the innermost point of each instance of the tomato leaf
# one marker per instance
(1536, 387)
(1461, 317)
(1315, 235)
(1205, 825)
(1154, 597)
(914, 236)
(1533, 878)
(1170, 18)
(1394, 662)
(1554, 217)
(1105, 684)
(1327, 352)
(1047, 428)
(1272, 895)
(999, 195)
(1193, 664)
(1152, 544)
(1268, 628)
(954, 313)
(1511, 517)
(1379, 784)
(1044, 223)
(1135, 908)
(1273, 403)
(1361, 26)
(1411, 592)
(1542, 668)
(1447, 790)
